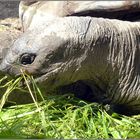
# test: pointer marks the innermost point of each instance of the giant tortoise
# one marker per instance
(98, 59)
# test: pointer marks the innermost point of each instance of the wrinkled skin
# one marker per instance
(35, 13)
(101, 55)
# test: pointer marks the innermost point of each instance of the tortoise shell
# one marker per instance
(33, 12)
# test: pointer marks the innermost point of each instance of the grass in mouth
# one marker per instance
(61, 117)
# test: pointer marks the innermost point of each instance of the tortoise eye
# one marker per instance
(27, 58)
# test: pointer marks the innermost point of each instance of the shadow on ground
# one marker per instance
(8, 9)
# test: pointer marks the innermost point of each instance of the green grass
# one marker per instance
(61, 116)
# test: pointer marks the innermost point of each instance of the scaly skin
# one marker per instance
(100, 53)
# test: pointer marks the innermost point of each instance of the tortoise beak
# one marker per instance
(5, 67)
(3, 53)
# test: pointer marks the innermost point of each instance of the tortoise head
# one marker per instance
(34, 53)
(46, 51)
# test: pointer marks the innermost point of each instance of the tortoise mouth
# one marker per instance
(125, 15)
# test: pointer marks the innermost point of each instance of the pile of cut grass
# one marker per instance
(63, 117)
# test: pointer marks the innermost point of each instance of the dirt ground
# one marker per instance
(10, 27)
(9, 13)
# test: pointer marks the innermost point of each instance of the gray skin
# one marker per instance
(95, 57)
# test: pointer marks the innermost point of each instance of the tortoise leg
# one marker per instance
(92, 93)
(124, 110)
(84, 91)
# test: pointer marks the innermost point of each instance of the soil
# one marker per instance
(10, 29)
(9, 13)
